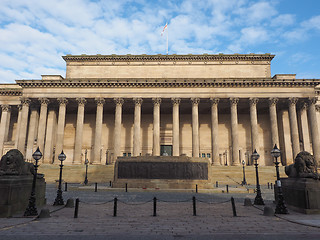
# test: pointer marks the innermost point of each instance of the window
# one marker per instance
(208, 155)
(129, 154)
(124, 154)
(203, 155)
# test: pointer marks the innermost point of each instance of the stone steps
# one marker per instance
(231, 175)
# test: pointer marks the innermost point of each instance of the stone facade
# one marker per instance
(219, 107)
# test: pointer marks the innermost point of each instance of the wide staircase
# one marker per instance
(224, 175)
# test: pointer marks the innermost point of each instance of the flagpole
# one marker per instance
(167, 41)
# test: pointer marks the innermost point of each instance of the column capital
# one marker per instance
(137, 101)
(195, 101)
(118, 101)
(5, 108)
(253, 101)
(156, 101)
(317, 108)
(81, 101)
(62, 101)
(25, 101)
(44, 101)
(175, 101)
(19, 107)
(292, 100)
(234, 101)
(99, 101)
(273, 101)
(214, 101)
(312, 100)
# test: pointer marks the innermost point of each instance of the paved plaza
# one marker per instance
(214, 217)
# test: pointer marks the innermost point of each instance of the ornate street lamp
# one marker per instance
(281, 207)
(32, 209)
(244, 182)
(86, 162)
(59, 199)
(258, 200)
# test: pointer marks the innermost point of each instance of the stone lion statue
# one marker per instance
(12, 163)
(304, 166)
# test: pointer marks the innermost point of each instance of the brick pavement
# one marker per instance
(174, 220)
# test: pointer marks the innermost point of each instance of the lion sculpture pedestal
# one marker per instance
(301, 190)
(16, 178)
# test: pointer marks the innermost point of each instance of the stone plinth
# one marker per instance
(302, 194)
(15, 193)
(164, 172)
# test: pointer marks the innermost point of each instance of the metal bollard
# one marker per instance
(96, 187)
(154, 206)
(233, 207)
(271, 185)
(268, 185)
(115, 207)
(110, 183)
(65, 186)
(76, 208)
(194, 206)
(217, 184)
(196, 188)
(227, 186)
(126, 187)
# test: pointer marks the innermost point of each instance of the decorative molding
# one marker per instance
(10, 92)
(317, 108)
(44, 101)
(25, 101)
(195, 101)
(253, 101)
(292, 100)
(175, 101)
(156, 101)
(137, 101)
(118, 101)
(62, 101)
(312, 100)
(214, 101)
(169, 58)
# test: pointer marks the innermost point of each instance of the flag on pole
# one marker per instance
(165, 27)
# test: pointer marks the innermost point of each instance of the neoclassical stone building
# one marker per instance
(221, 107)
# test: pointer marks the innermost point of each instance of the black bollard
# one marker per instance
(196, 188)
(96, 187)
(271, 185)
(194, 206)
(115, 207)
(65, 186)
(126, 187)
(154, 206)
(268, 185)
(227, 186)
(217, 184)
(110, 183)
(233, 207)
(76, 208)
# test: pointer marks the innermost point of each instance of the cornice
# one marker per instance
(10, 92)
(169, 58)
(174, 83)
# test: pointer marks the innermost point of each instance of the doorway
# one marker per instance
(166, 150)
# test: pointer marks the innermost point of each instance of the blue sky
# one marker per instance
(34, 34)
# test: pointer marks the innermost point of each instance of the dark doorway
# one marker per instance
(166, 150)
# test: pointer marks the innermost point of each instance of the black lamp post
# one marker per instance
(258, 200)
(244, 182)
(59, 199)
(32, 209)
(281, 207)
(86, 162)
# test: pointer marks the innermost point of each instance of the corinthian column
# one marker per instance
(156, 126)
(175, 127)
(234, 131)
(79, 131)
(117, 126)
(32, 131)
(215, 131)
(137, 127)
(305, 127)
(24, 125)
(42, 123)
(195, 127)
(254, 123)
(18, 126)
(61, 124)
(314, 129)
(273, 121)
(97, 139)
(6, 109)
(294, 126)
